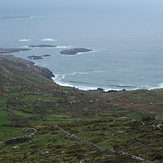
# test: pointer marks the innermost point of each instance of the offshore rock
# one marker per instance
(75, 51)
(38, 56)
(42, 46)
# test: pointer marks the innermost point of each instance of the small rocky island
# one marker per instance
(42, 46)
(38, 56)
(12, 50)
(75, 51)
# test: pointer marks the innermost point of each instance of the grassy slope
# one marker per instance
(29, 99)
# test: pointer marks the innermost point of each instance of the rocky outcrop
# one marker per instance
(12, 50)
(38, 56)
(44, 72)
(42, 46)
(75, 51)
(34, 57)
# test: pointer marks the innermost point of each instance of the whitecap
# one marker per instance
(159, 86)
(98, 71)
(48, 39)
(24, 40)
(62, 47)
(81, 73)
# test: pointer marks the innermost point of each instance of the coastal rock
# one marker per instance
(46, 55)
(38, 56)
(34, 57)
(42, 46)
(75, 51)
(12, 50)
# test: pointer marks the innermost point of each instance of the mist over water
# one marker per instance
(126, 38)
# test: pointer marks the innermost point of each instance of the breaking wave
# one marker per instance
(159, 86)
(24, 40)
(62, 47)
(48, 39)
(58, 79)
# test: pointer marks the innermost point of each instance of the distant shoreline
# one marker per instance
(12, 50)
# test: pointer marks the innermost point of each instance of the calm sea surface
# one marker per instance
(127, 45)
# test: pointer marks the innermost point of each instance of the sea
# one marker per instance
(127, 43)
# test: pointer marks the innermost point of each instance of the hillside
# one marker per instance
(73, 125)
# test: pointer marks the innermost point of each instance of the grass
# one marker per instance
(30, 98)
(124, 135)
(23, 114)
(4, 117)
(10, 132)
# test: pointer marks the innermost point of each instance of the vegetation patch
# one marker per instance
(4, 117)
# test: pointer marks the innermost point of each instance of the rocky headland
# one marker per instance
(11, 64)
(75, 51)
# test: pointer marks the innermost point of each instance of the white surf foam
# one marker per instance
(58, 79)
(24, 40)
(81, 73)
(159, 86)
(48, 39)
(62, 47)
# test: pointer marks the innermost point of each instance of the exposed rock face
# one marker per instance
(11, 64)
(12, 50)
(44, 72)
(42, 46)
(75, 51)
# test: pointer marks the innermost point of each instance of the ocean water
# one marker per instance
(127, 44)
